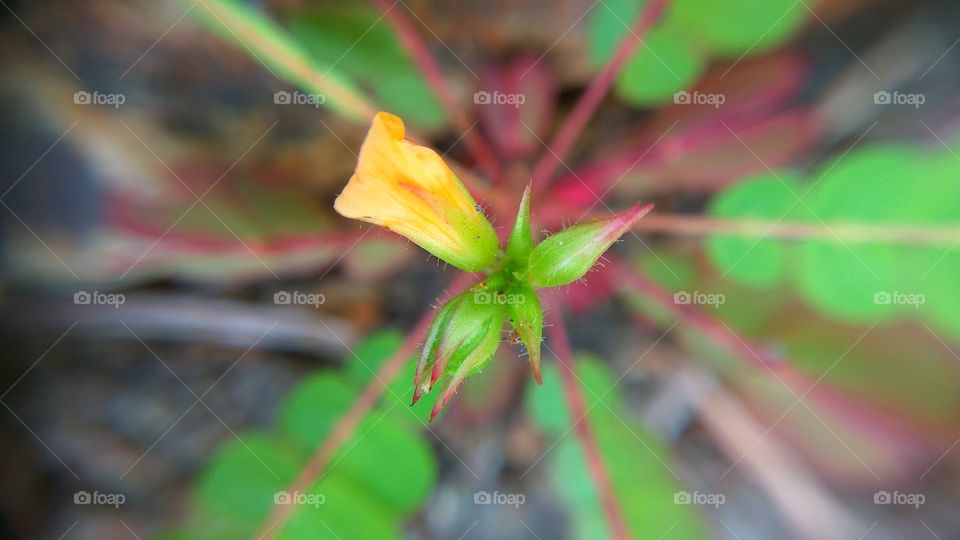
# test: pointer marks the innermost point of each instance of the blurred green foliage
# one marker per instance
(853, 281)
(676, 51)
(754, 261)
(355, 40)
(238, 23)
(379, 477)
(636, 459)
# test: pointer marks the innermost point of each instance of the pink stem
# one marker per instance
(417, 49)
(347, 424)
(584, 108)
(883, 423)
(557, 334)
(705, 324)
(705, 226)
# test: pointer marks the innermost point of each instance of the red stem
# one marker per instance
(557, 334)
(884, 424)
(347, 424)
(427, 65)
(704, 323)
(584, 108)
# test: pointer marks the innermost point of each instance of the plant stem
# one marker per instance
(557, 334)
(348, 423)
(836, 232)
(885, 424)
(705, 324)
(428, 66)
(281, 55)
(584, 108)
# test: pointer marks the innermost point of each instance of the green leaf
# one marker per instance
(636, 460)
(240, 481)
(270, 44)
(936, 200)
(388, 462)
(310, 411)
(941, 290)
(547, 404)
(407, 94)
(357, 41)
(374, 350)
(869, 185)
(736, 27)
(860, 281)
(667, 65)
(674, 54)
(665, 62)
(381, 474)
(370, 353)
(346, 512)
(755, 262)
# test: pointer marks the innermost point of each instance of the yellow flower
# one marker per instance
(409, 189)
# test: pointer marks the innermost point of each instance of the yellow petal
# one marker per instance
(409, 189)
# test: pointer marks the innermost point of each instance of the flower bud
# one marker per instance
(567, 255)
(461, 341)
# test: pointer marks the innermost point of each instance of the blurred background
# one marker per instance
(774, 352)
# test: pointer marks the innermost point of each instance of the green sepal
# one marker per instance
(569, 254)
(428, 352)
(477, 356)
(520, 243)
(468, 324)
(461, 328)
(526, 317)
